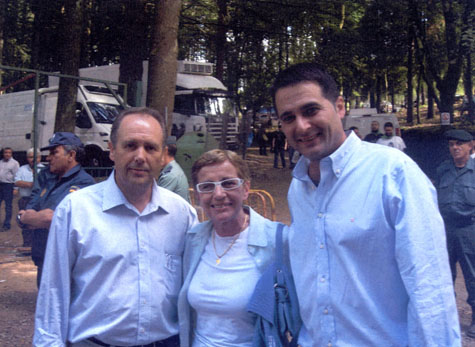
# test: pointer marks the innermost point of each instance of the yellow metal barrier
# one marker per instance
(260, 200)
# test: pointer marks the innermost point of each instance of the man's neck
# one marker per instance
(314, 172)
(167, 160)
(138, 195)
(460, 163)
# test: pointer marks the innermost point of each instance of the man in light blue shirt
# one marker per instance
(114, 257)
(24, 184)
(367, 242)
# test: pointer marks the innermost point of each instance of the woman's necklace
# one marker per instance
(218, 259)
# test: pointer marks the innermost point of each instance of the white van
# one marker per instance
(95, 111)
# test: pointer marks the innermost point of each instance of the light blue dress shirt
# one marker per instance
(368, 252)
(112, 272)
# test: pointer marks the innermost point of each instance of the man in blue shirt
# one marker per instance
(113, 264)
(367, 242)
(63, 176)
(455, 184)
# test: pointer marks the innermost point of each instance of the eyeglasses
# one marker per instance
(227, 184)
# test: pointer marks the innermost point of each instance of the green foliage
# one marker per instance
(363, 43)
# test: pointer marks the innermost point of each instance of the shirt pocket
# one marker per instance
(469, 194)
(444, 193)
(173, 271)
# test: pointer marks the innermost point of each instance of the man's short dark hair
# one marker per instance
(306, 72)
(80, 152)
(7, 148)
(388, 124)
(141, 111)
(171, 149)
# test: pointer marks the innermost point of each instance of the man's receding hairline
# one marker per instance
(141, 114)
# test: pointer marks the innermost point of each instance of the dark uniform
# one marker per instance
(456, 196)
(48, 193)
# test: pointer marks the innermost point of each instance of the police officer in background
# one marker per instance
(456, 194)
(63, 176)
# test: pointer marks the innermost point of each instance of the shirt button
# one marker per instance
(142, 330)
(320, 215)
(322, 246)
(329, 344)
(322, 279)
(144, 302)
(325, 311)
(337, 171)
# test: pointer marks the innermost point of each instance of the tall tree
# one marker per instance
(132, 51)
(3, 7)
(70, 56)
(163, 58)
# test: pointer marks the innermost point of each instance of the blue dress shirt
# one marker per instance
(112, 272)
(368, 252)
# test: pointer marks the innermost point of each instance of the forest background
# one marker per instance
(408, 52)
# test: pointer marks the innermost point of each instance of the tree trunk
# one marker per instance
(409, 116)
(3, 6)
(163, 59)
(221, 38)
(70, 56)
(131, 52)
(430, 104)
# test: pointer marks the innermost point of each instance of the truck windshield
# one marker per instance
(215, 105)
(104, 113)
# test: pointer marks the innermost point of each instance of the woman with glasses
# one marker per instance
(224, 256)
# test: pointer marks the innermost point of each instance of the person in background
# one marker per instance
(8, 169)
(224, 256)
(63, 175)
(24, 184)
(455, 184)
(391, 140)
(370, 268)
(113, 265)
(374, 135)
(172, 176)
(279, 144)
(262, 139)
(356, 131)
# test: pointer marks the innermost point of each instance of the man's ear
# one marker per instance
(111, 150)
(340, 107)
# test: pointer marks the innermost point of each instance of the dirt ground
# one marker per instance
(18, 274)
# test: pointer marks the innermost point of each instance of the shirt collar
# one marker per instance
(115, 197)
(337, 160)
(72, 171)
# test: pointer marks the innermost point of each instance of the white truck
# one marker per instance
(96, 109)
(201, 100)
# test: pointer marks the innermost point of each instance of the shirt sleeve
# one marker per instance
(52, 307)
(422, 259)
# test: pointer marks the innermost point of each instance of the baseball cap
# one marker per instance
(458, 134)
(171, 140)
(61, 139)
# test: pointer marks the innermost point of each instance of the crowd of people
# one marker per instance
(372, 244)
